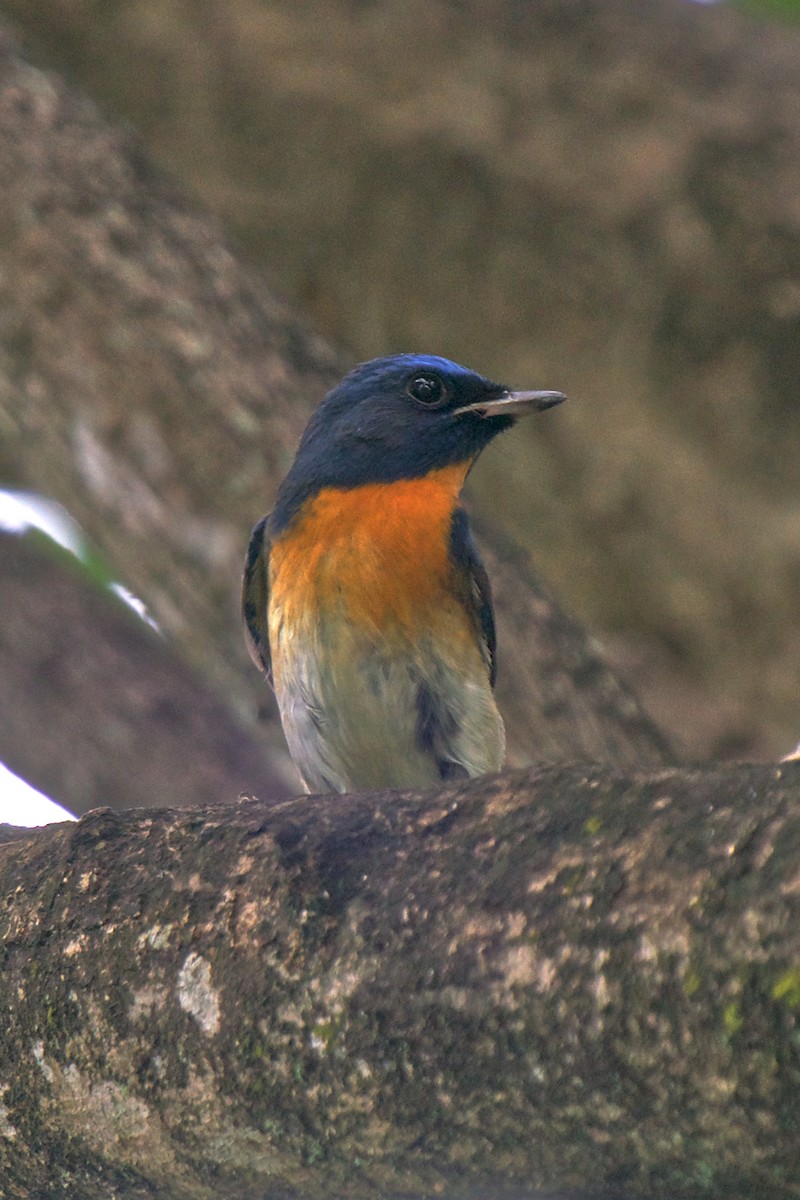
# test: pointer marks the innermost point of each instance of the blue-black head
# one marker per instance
(400, 418)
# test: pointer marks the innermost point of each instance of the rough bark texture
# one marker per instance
(157, 389)
(595, 195)
(559, 979)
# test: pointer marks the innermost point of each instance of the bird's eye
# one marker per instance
(427, 389)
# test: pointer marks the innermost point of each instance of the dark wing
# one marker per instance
(255, 598)
(478, 590)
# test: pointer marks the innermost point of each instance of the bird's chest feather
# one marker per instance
(372, 562)
(377, 661)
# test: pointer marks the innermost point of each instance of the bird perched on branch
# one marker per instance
(364, 599)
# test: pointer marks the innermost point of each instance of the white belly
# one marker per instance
(362, 717)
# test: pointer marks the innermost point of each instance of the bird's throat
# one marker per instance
(378, 553)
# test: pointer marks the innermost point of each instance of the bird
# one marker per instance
(364, 599)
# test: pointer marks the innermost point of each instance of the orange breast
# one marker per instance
(379, 553)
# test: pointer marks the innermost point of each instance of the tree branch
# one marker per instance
(556, 979)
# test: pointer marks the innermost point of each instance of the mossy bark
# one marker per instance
(561, 980)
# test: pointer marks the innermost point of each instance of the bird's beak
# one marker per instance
(514, 403)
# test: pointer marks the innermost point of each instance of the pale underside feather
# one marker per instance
(356, 716)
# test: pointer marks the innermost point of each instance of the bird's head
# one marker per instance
(401, 418)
